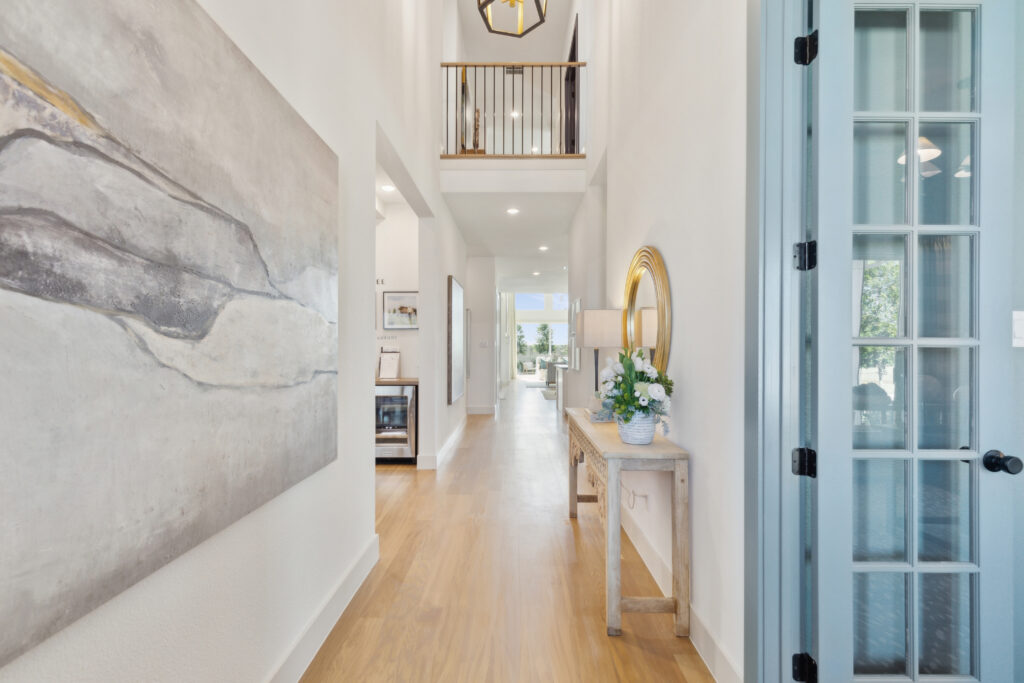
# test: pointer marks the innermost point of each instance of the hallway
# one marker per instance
(482, 576)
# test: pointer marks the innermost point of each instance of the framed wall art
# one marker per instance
(456, 340)
(401, 310)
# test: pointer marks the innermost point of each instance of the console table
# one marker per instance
(606, 457)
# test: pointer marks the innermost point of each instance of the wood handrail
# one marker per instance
(495, 64)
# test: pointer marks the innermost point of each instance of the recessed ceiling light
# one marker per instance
(536, 273)
(565, 267)
(543, 247)
(514, 114)
(534, 150)
(512, 211)
(387, 188)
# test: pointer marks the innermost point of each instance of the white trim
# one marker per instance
(481, 410)
(313, 636)
(722, 668)
(432, 462)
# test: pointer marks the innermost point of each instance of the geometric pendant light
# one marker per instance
(513, 18)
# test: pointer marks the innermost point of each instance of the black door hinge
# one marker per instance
(805, 463)
(805, 255)
(805, 48)
(805, 668)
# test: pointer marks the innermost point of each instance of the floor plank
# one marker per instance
(483, 577)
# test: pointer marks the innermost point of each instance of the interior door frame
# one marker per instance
(776, 128)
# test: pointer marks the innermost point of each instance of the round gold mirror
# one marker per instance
(647, 306)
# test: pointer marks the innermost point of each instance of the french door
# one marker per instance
(907, 381)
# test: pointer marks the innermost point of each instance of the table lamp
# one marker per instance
(602, 329)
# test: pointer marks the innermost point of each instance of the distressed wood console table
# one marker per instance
(599, 447)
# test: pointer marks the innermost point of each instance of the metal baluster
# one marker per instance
(503, 107)
(484, 115)
(447, 121)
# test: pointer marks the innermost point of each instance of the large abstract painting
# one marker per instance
(168, 299)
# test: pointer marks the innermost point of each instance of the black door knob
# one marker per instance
(996, 461)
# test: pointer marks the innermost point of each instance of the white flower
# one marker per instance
(607, 374)
(619, 370)
(637, 394)
(638, 359)
(643, 401)
(618, 378)
(657, 392)
(651, 371)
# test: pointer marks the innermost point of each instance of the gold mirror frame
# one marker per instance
(648, 260)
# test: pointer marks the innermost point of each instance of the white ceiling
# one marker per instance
(549, 42)
(543, 220)
(517, 275)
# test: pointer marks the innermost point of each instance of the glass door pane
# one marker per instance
(947, 78)
(914, 365)
(880, 52)
(880, 173)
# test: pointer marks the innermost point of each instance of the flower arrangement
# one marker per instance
(632, 387)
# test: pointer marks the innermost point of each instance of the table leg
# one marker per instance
(613, 560)
(573, 478)
(681, 547)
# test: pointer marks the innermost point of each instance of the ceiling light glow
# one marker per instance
(536, 273)
(387, 188)
(512, 211)
(926, 151)
(543, 247)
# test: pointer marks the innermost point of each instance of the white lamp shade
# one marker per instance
(602, 328)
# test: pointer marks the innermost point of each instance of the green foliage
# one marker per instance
(879, 311)
(543, 342)
(631, 387)
(521, 340)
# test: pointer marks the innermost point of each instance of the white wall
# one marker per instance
(587, 283)
(398, 270)
(238, 606)
(481, 300)
(442, 253)
(676, 168)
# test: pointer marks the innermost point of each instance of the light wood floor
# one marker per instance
(483, 577)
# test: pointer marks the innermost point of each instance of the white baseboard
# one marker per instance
(432, 462)
(309, 642)
(448, 449)
(721, 667)
(480, 410)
